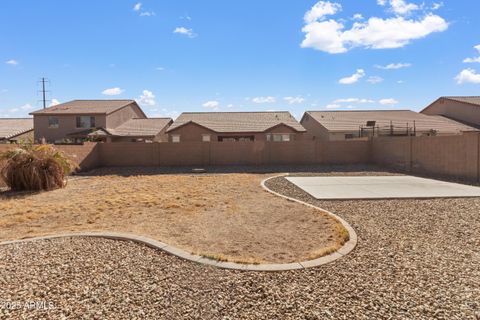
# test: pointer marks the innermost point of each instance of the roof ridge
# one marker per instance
(460, 97)
(16, 118)
(381, 110)
(205, 112)
(99, 100)
(150, 118)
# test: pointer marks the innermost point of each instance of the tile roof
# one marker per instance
(11, 127)
(85, 107)
(352, 120)
(141, 127)
(472, 100)
(132, 128)
(224, 122)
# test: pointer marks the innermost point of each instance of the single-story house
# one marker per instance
(15, 130)
(235, 126)
(342, 125)
(462, 109)
(97, 120)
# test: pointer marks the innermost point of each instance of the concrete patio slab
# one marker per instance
(381, 187)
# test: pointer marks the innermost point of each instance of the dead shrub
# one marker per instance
(34, 168)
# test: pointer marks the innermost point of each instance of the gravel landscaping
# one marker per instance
(415, 259)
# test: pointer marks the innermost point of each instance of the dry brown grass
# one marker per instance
(226, 216)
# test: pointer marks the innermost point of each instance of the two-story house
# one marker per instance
(98, 120)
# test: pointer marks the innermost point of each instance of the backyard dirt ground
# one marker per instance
(415, 259)
(222, 216)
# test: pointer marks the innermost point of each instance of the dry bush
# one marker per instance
(34, 168)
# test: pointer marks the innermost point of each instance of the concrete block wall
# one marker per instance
(454, 156)
(233, 153)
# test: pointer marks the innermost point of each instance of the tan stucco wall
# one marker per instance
(123, 115)
(66, 124)
(463, 112)
(314, 128)
(193, 133)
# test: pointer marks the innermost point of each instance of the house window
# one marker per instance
(175, 138)
(53, 122)
(278, 137)
(235, 138)
(205, 137)
(85, 122)
(349, 136)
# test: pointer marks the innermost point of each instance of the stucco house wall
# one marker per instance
(456, 110)
(193, 132)
(66, 124)
(314, 128)
(123, 115)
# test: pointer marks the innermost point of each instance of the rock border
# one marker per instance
(345, 249)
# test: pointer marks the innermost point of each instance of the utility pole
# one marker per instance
(43, 81)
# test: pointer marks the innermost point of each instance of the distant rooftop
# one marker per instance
(471, 99)
(85, 107)
(141, 127)
(223, 122)
(352, 120)
(11, 127)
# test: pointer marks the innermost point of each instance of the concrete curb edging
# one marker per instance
(345, 249)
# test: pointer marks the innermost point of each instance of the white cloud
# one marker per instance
(294, 100)
(437, 5)
(376, 33)
(147, 14)
(142, 13)
(400, 7)
(159, 68)
(473, 60)
(54, 102)
(353, 100)
(394, 66)
(211, 104)
(333, 106)
(389, 102)
(360, 73)
(357, 16)
(375, 79)
(324, 36)
(185, 31)
(27, 106)
(12, 62)
(147, 98)
(320, 10)
(264, 100)
(112, 91)
(230, 105)
(468, 76)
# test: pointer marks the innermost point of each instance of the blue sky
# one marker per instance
(215, 55)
